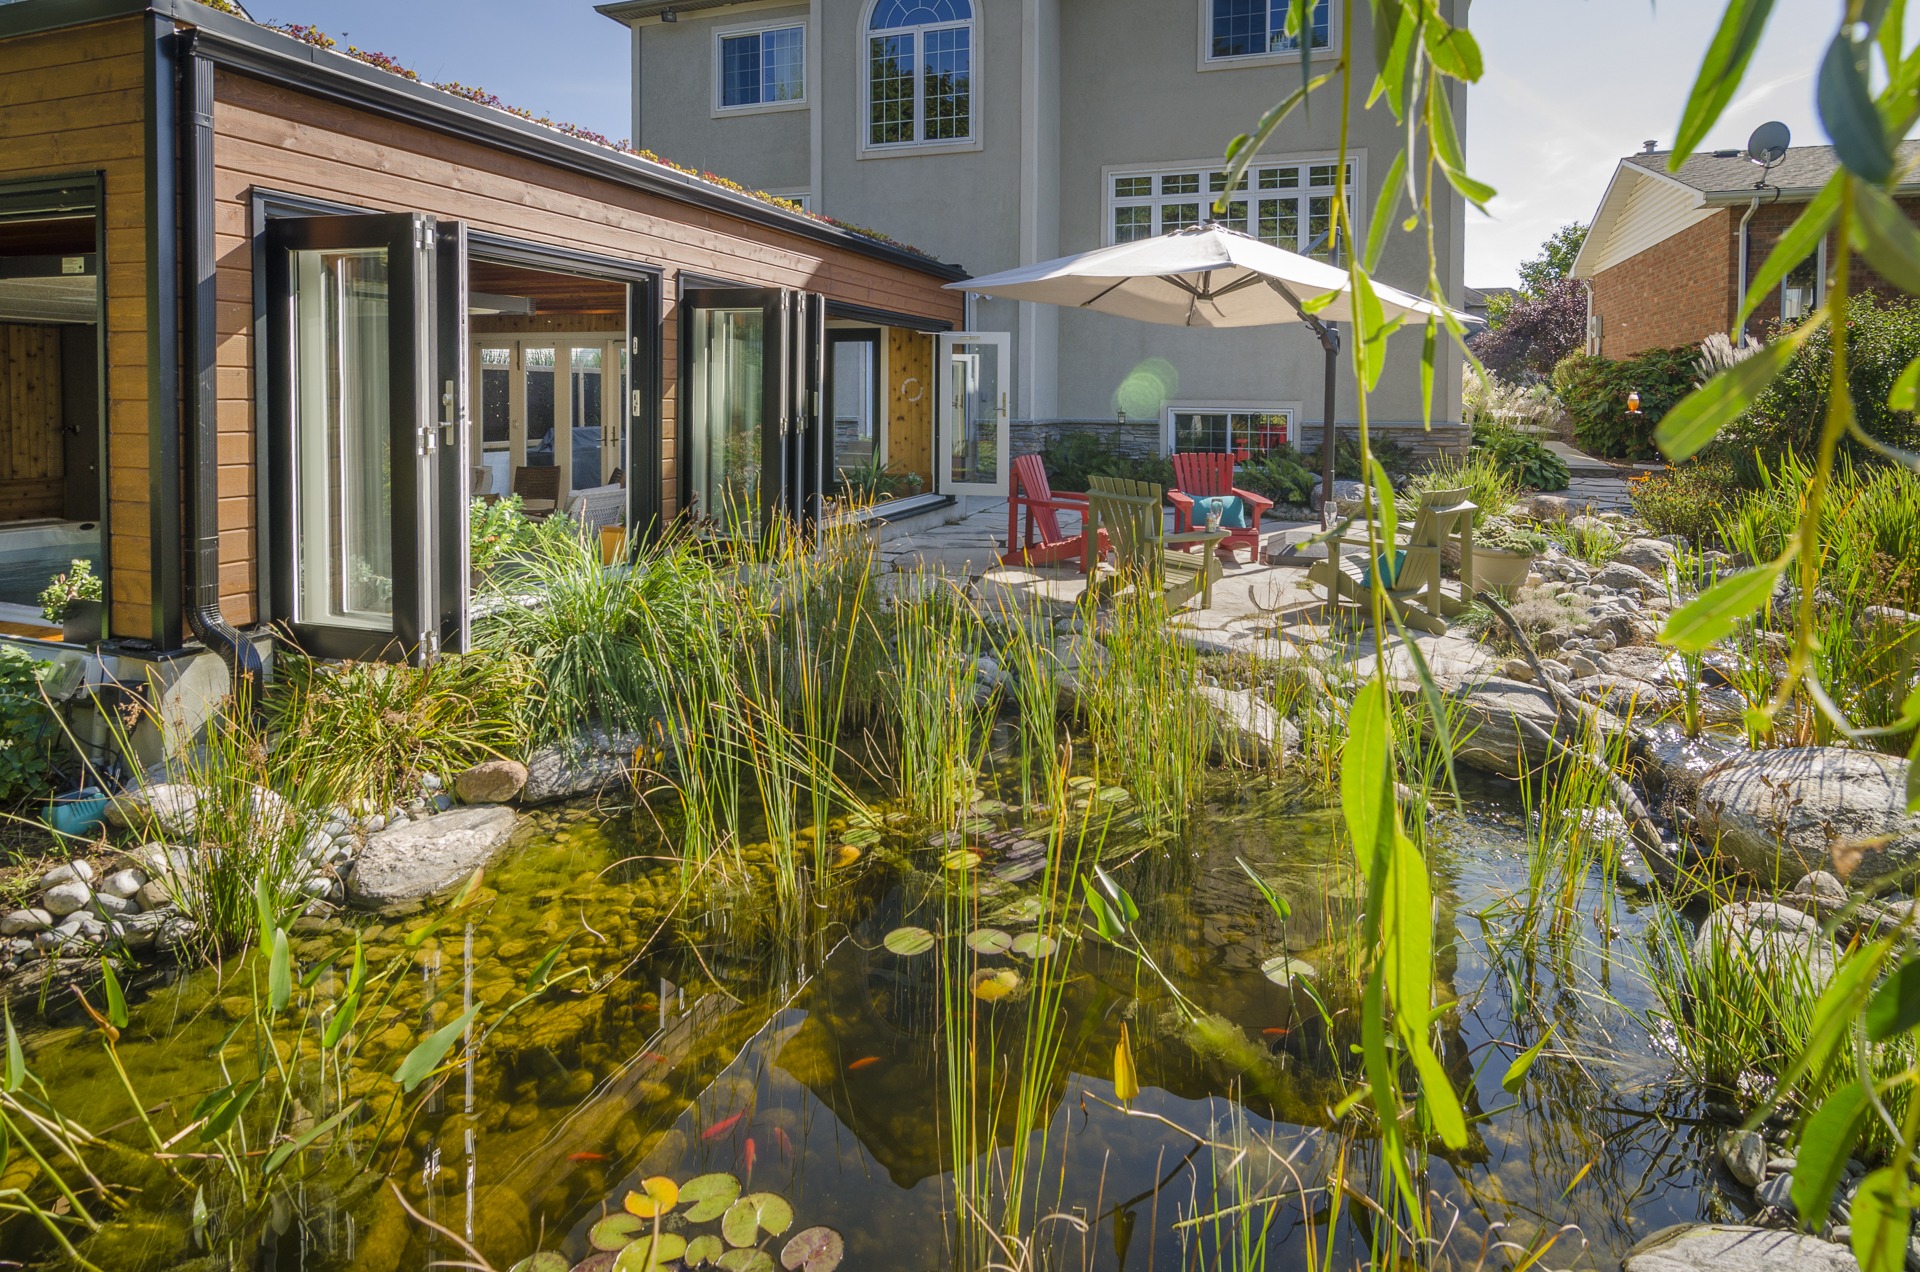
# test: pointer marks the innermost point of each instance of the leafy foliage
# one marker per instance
(1487, 483)
(79, 583)
(497, 533)
(27, 729)
(1687, 499)
(1521, 456)
(1278, 474)
(1071, 458)
(1595, 391)
(1535, 332)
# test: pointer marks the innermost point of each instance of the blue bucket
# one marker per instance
(79, 813)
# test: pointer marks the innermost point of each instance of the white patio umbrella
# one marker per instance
(1207, 276)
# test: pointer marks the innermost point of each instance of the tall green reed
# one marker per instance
(936, 715)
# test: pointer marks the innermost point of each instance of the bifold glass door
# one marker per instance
(361, 389)
(973, 413)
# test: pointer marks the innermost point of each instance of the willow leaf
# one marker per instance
(1826, 1141)
(1801, 241)
(1847, 111)
(1713, 614)
(1698, 417)
(1720, 73)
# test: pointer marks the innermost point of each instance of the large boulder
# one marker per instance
(1651, 555)
(490, 782)
(581, 765)
(400, 868)
(1250, 730)
(1725, 1247)
(1487, 721)
(1777, 944)
(171, 806)
(1781, 814)
(1348, 496)
(1621, 577)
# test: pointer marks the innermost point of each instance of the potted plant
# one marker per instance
(73, 601)
(1503, 554)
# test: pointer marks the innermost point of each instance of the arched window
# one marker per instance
(920, 72)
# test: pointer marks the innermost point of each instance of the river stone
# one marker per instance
(66, 898)
(402, 867)
(1778, 941)
(490, 782)
(1487, 737)
(1745, 1155)
(1717, 1247)
(25, 922)
(173, 805)
(1250, 730)
(1621, 577)
(1650, 555)
(582, 765)
(1781, 814)
(123, 883)
(66, 872)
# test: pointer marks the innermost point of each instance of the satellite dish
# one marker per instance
(1768, 145)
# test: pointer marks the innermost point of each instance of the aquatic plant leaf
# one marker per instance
(279, 1155)
(961, 859)
(199, 1216)
(263, 913)
(279, 973)
(746, 1217)
(1712, 615)
(598, 1261)
(460, 902)
(426, 1057)
(537, 978)
(1517, 1071)
(16, 1058)
(908, 941)
(1081, 783)
(1281, 969)
(342, 1019)
(813, 1250)
(116, 997)
(1114, 795)
(314, 973)
(615, 1232)
(989, 941)
(708, 1196)
(1019, 871)
(229, 1112)
(1034, 945)
(1275, 902)
(703, 1250)
(861, 836)
(651, 1253)
(776, 1214)
(1126, 1079)
(1880, 1222)
(1826, 1140)
(1895, 1006)
(992, 985)
(845, 855)
(658, 1195)
(977, 826)
(746, 1261)
(984, 807)
(545, 1261)
(1113, 910)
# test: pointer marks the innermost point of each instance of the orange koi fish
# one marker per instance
(786, 1145)
(1275, 1031)
(718, 1129)
(864, 1062)
(748, 1155)
(586, 1157)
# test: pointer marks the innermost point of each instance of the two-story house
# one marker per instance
(995, 133)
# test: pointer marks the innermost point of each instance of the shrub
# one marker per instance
(1521, 456)
(1594, 392)
(27, 729)
(1686, 500)
(497, 532)
(1487, 484)
(1279, 475)
(79, 583)
(1072, 458)
(871, 481)
(1535, 332)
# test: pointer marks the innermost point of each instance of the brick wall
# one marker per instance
(1678, 291)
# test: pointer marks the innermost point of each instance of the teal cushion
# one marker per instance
(1391, 572)
(1233, 512)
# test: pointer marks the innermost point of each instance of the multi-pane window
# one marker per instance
(1242, 434)
(1256, 28)
(1287, 204)
(763, 68)
(920, 72)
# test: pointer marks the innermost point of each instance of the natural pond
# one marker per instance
(814, 1058)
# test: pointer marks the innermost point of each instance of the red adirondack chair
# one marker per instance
(1043, 543)
(1210, 473)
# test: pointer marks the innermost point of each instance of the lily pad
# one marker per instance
(616, 1232)
(1034, 945)
(861, 835)
(1281, 969)
(908, 941)
(1114, 795)
(961, 859)
(1025, 910)
(989, 941)
(993, 985)
(813, 1250)
(1081, 783)
(709, 1195)
(651, 1253)
(545, 1261)
(746, 1261)
(598, 1261)
(977, 826)
(755, 1212)
(988, 807)
(704, 1250)
(1019, 871)
(658, 1195)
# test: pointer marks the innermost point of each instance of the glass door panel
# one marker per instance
(973, 413)
(538, 363)
(857, 457)
(588, 413)
(736, 441)
(496, 418)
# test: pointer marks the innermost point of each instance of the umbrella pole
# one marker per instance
(1330, 342)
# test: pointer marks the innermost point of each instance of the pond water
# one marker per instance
(807, 1060)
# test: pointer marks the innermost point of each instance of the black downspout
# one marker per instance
(244, 664)
(163, 334)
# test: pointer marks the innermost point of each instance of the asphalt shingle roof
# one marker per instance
(1803, 168)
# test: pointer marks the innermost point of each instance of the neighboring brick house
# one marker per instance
(1662, 260)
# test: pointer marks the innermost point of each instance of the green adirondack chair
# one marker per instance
(1143, 553)
(1412, 564)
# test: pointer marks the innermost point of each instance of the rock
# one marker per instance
(123, 883)
(1251, 730)
(376, 823)
(582, 765)
(441, 802)
(25, 922)
(153, 896)
(1552, 507)
(67, 872)
(1650, 555)
(172, 806)
(1777, 1192)
(1823, 887)
(490, 782)
(66, 898)
(1779, 944)
(430, 783)
(139, 930)
(1716, 1247)
(403, 867)
(1745, 1156)
(1621, 577)
(1517, 669)
(1487, 737)
(1781, 814)
(1651, 663)
(1617, 694)
(113, 905)
(1680, 762)
(1348, 496)
(1582, 666)
(81, 927)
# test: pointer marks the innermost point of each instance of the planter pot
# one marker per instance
(1499, 570)
(78, 813)
(84, 622)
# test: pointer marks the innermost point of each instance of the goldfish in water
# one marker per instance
(747, 1156)
(718, 1129)
(864, 1062)
(586, 1157)
(1275, 1031)
(786, 1145)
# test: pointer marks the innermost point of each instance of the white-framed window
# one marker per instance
(1804, 287)
(1236, 32)
(919, 59)
(760, 68)
(1286, 203)
(1244, 430)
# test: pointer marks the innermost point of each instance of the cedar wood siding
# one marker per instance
(280, 139)
(72, 102)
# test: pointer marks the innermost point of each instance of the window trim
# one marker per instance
(865, 147)
(1208, 62)
(1357, 190)
(1292, 409)
(1819, 284)
(718, 63)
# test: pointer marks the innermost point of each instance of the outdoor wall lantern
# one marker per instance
(1633, 402)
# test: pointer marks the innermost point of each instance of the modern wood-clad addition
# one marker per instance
(335, 305)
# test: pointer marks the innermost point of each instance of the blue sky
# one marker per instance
(1570, 85)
